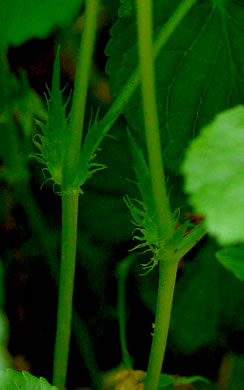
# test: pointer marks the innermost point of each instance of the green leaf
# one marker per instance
(199, 72)
(55, 137)
(143, 176)
(22, 20)
(233, 260)
(204, 311)
(111, 8)
(97, 131)
(194, 322)
(55, 132)
(14, 380)
(214, 172)
(87, 167)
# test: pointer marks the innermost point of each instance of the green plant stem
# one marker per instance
(167, 268)
(83, 341)
(80, 89)
(122, 320)
(23, 194)
(144, 26)
(122, 274)
(116, 109)
(170, 26)
(66, 286)
(182, 242)
(166, 285)
(167, 264)
(169, 258)
(70, 200)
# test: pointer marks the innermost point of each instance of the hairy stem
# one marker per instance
(80, 89)
(169, 257)
(167, 264)
(182, 241)
(70, 200)
(167, 270)
(144, 26)
(66, 286)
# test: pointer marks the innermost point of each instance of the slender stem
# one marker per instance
(81, 334)
(66, 286)
(182, 242)
(122, 321)
(132, 83)
(84, 343)
(70, 200)
(170, 26)
(122, 273)
(167, 264)
(40, 231)
(80, 88)
(144, 26)
(167, 277)
(167, 269)
(169, 257)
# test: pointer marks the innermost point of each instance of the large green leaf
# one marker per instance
(198, 73)
(14, 380)
(21, 20)
(214, 171)
(208, 304)
(233, 259)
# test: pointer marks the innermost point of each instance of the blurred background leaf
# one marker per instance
(213, 171)
(22, 20)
